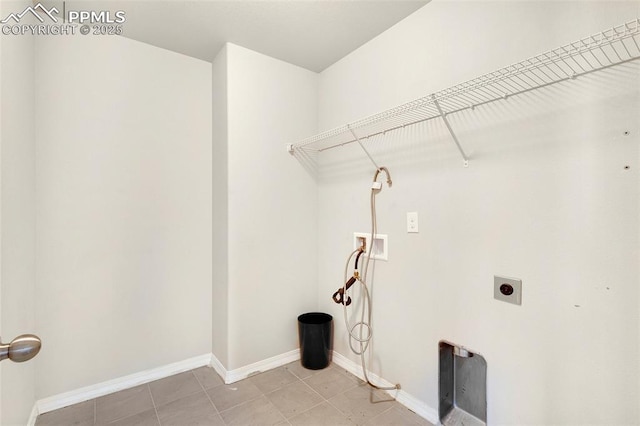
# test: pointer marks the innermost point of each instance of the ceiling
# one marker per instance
(310, 33)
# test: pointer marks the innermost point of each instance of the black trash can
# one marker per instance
(315, 331)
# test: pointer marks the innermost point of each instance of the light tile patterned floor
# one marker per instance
(289, 395)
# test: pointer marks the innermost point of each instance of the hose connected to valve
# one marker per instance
(361, 332)
(338, 296)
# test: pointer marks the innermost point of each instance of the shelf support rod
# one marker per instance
(363, 148)
(453, 135)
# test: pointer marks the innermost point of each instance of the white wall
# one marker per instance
(545, 199)
(17, 145)
(124, 238)
(272, 205)
(220, 303)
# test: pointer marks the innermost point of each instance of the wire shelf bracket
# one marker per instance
(611, 47)
(465, 159)
(363, 148)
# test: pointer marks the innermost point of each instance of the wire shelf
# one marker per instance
(606, 49)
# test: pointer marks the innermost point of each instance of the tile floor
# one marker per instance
(288, 395)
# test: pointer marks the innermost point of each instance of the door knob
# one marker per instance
(21, 349)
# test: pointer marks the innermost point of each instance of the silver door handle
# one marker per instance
(21, 349)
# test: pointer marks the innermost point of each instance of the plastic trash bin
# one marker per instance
(315, 331)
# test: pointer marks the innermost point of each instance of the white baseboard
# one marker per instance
(232, 376)
(411, 402)
(84, 394)
(94, 391)
(229, 376)
(220, 369)
(34, 415)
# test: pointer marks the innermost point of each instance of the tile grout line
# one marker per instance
(381, 413)
(327, 399)
(248, 401)
(270, 392)
(309, 386)
(371, 389)
(339, 410)
(243, 402)
(198, 380)
(309, 409)
(264, 394)
(300, 379)
(340, 393)
(280, 388)
(208, 397)
(303, 380)
(278, 410)
(154, 405)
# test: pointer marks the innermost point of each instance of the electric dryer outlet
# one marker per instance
(507, 289)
